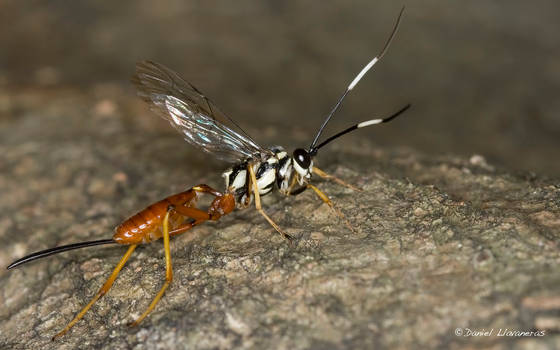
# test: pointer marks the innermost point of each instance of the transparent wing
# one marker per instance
(192, 113)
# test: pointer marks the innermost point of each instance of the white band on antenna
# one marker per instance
(369, 122)
(362, 73)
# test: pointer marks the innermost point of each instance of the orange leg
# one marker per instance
(100, 293)
(221, 202)
(331, 205)
(194, 213)
(207, 189)
(324, 175)
(292, 185)
(168, 270)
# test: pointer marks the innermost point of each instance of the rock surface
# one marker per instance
(443, 244)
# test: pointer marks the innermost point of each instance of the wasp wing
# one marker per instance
(192, 114)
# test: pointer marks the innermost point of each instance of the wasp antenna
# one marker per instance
(359, 126)
(56, 250)
(357, 79)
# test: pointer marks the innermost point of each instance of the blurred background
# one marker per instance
(483, 76)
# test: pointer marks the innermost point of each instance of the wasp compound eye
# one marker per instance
(302, 157)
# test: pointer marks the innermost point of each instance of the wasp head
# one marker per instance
(303, 164)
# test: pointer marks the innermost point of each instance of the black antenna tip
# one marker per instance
(399, 112)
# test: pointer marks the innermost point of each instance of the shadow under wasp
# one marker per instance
(257, 171)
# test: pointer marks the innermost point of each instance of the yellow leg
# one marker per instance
(324, 175)
(330, 204)
(258, 204)
(168, 271)
(100, 293)
(292, 185)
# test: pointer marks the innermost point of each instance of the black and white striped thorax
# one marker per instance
(273, 171)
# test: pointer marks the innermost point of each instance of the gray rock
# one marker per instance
(444, 244)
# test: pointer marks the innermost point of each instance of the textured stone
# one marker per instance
(441, 243)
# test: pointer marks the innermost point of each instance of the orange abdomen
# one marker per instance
(146, 225)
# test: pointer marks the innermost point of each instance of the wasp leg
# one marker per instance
(198, 216)
(193, 213)
(192, 223)
(290, 190)
(100, 293)
(207, 189)
(168, 269)
(330, 204)
(324, 175)
(259, 207)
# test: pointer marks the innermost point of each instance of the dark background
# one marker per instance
(483, 76)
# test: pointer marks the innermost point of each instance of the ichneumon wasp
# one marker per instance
(256, 171)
